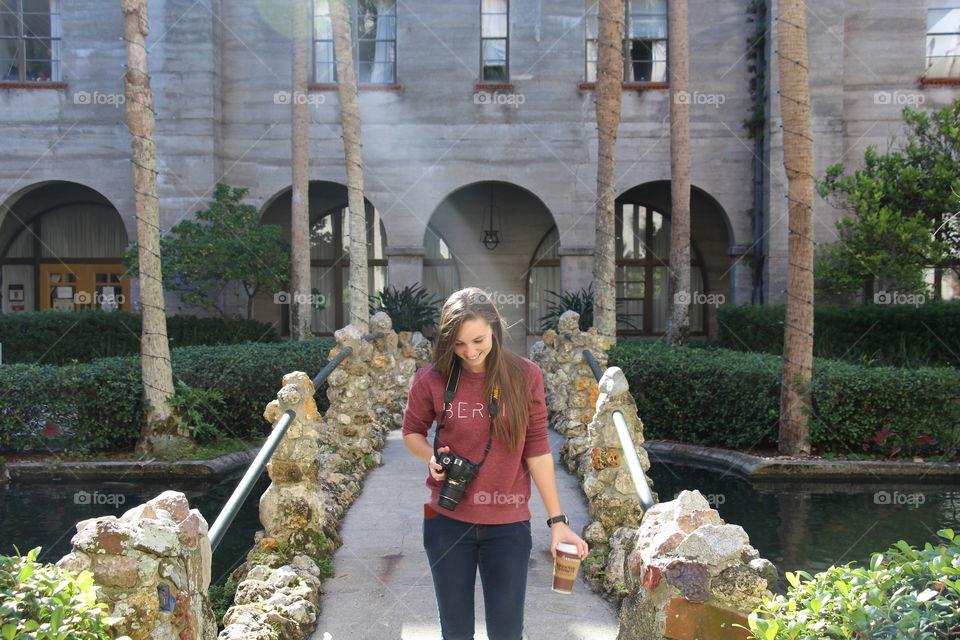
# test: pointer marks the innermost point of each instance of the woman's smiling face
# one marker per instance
(473, 343)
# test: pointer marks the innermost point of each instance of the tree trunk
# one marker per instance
(160, 432)
(301, 311)
(350, 121)
(798, 162)
(678, 58)
(608, 98)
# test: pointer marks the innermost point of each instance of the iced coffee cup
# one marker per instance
(565, 567)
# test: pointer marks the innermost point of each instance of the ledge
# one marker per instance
(494, 86)
(366, 86)
(933, 82)
(630, 86)
(800, 469)
(57, 86)
(111, 470)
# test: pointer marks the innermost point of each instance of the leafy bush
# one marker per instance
(58, 338)
(882, 334)
(412, 308)
(42, 602)
(99, 405)
(726, 398)
(580, 301)
(905, 593)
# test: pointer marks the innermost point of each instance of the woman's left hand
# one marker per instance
(560, 532)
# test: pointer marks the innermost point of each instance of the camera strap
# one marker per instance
(493, 408)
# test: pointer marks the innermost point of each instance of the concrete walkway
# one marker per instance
(382, 588)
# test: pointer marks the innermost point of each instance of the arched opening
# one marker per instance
(462, 222)
(329, 256)
(61, 249)
(643, 260)
(544, 277)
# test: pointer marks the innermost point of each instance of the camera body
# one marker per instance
(460, 471)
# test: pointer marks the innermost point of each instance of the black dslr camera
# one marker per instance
(460, 472)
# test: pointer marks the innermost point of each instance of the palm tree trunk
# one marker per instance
(608, 97)
(798, 162)
(301, 312)
(160, 432)
(678, 58)
(350, 121)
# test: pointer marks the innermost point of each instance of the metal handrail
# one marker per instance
(626, 443)
(240, 494)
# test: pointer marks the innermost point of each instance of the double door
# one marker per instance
(77, 287)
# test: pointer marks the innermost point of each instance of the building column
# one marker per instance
(404, 266)
(576, 267)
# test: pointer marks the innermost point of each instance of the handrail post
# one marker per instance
(639, 478)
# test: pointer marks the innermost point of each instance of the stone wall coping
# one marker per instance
(153, 469)
(798, 469)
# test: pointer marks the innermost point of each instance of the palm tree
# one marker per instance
(161, 431)
(678, 330)
(301, 311)
(608, 97)
(350, 122)
(798, 162)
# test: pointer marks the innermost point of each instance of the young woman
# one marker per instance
(492, 437)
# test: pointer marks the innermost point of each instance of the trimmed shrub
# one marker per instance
(718, 397)
(99, 405)
(905, 593)
(882, 334)
(43, 602)
(46, 337)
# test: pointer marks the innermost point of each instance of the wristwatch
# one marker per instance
(560, 518)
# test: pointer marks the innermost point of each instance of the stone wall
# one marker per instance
(677, 564)
(317, 472)
(152, 567)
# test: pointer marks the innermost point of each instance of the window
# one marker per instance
(644, 41)
(29, 40)
(544, 276)
(943, 39)
(374, 41)
(494, 41)
(441, 276)
(642, 272)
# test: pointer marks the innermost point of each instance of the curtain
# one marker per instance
(55, 35)
(18, 274)
(386, 34)
(82, 231)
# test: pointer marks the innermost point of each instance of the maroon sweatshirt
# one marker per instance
(500, 492)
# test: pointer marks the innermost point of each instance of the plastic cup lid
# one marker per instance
(566, 547)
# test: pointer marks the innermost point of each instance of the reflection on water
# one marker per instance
(43, 514)
(807, 526)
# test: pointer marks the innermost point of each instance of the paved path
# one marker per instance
(382, 589)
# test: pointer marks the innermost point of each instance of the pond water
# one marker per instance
(811, 526)
(795, 525)
(43, 514)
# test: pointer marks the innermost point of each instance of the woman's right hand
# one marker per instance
(435, 468)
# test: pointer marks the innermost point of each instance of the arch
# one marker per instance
(61, 247)
(710, 232)
(329, 255)
(521, 216)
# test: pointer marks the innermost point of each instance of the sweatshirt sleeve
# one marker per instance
(419, 413)
(536, 443)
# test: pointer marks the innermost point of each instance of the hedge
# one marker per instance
(725, 398)
(880, 334)
(99, 405)
(46, 337)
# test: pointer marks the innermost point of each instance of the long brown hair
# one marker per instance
(503, 368)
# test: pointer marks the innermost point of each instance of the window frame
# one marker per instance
(626, 53)
(506, 45)
(54, 39)
(354, 7)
